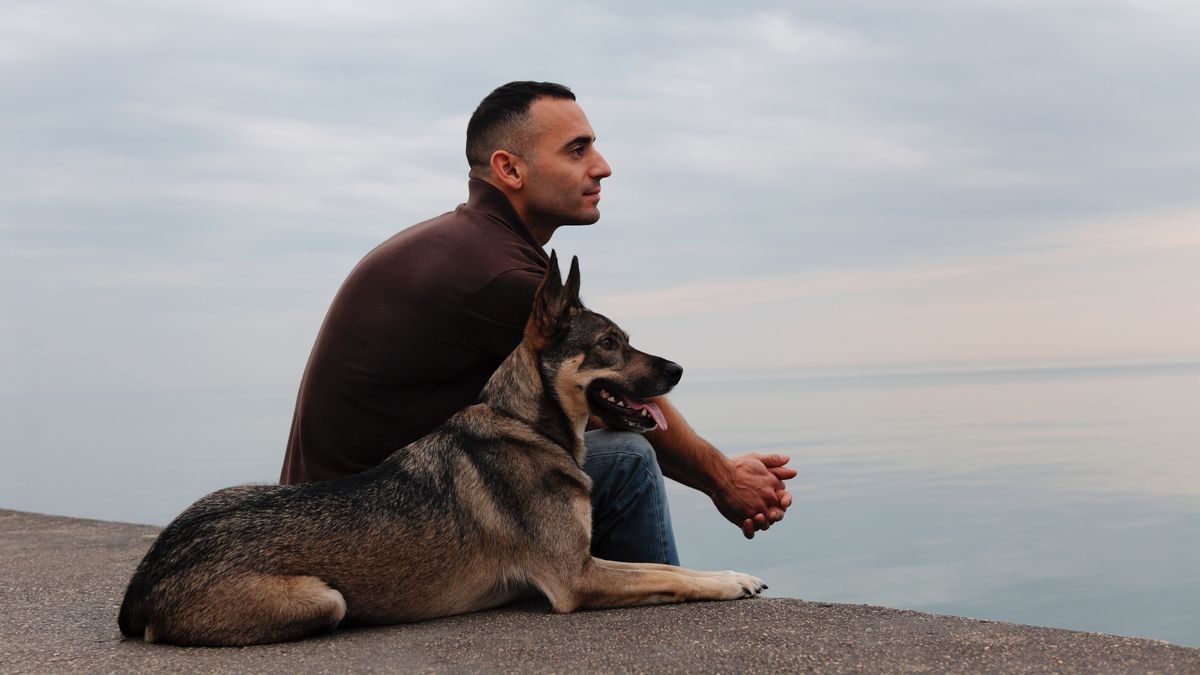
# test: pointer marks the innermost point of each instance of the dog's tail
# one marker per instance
(132, 618)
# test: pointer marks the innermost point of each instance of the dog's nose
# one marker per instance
(674, 371)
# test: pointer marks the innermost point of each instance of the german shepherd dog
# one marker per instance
(488, 508)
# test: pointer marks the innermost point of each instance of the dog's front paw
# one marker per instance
(748, 586)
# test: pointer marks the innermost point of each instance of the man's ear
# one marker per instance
(571, 290)
(508, 169)
(548, 306)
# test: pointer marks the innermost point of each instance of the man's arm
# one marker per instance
(748, 489)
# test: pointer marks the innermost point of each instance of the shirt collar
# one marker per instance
(489, 200)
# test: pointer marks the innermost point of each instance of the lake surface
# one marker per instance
(1066, 497)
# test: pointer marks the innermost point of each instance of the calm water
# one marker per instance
(1060, 497)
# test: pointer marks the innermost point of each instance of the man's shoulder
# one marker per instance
(464, 249)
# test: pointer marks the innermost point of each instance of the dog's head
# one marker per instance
(589, 361)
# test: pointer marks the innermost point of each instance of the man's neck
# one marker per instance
(541, 233)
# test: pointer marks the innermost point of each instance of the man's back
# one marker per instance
(413, 334)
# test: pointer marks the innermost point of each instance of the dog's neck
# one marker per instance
(520, 390)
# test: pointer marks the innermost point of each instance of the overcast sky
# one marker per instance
(796, 185)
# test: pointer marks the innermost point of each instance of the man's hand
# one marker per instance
(748, 489)
(754, 496)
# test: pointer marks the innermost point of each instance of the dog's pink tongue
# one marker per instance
(659, 418)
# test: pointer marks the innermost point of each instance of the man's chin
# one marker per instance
(587, 217)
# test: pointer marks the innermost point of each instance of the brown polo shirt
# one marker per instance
(413, 334)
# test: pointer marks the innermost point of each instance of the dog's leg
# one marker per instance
(246, 610)
(604, 583)
(627, 566)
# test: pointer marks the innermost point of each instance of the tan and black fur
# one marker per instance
(489, 507)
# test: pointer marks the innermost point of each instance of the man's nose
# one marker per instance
(600, 168)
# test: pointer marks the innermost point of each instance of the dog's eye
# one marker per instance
(608, 343)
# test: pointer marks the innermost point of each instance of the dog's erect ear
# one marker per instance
(548, 306)
(571, 291)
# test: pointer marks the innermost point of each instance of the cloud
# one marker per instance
(839, 182)
(1101, 291)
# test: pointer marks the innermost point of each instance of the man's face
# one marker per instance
(563, 167)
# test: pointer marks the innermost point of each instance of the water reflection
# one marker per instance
(1069, 501)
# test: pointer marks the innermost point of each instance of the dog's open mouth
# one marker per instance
(620, 410)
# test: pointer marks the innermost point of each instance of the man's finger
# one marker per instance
(771, 461)
(748, 528)
(783, 472)
(771, 496)
(785, 499)
(775, 515)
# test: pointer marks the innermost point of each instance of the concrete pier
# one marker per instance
(61, 582)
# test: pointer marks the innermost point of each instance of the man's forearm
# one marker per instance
(686, 457)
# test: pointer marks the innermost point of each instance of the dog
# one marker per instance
(490, 507)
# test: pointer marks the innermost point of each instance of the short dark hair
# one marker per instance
(497, 122)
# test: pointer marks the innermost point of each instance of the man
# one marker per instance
(426, 317)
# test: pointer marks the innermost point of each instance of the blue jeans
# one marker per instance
(630, 518)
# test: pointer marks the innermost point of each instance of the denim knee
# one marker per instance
(635, 444)
(625, 452)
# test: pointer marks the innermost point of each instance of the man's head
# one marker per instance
(533, 142)
(501, 122)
